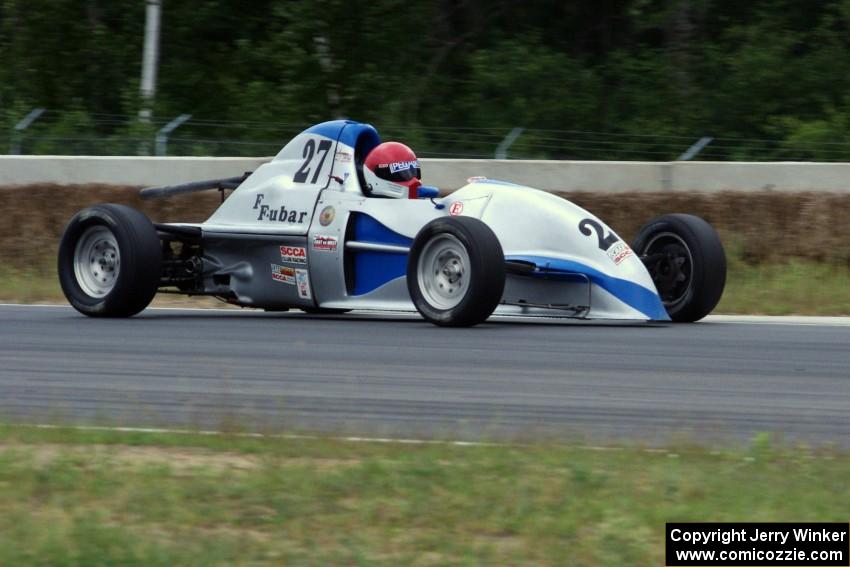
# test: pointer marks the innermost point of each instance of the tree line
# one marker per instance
(631, 79)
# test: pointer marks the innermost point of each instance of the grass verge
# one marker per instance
(72, 497)
(797, 287)
(22, 286)
(793, 288)
(42, 286)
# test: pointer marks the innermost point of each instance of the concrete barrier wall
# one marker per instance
(596, 176)
(630, 176)
(140, 171)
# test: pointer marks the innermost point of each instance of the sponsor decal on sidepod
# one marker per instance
(283, 274)
(293, 254)
(324, 243)
(327, 215)
(302, 280)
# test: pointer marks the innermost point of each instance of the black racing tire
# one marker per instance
(110, 261)
(686, 260)
(456, 255)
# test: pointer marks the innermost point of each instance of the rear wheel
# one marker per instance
(456, 271)
(686, 260)
(110, 261)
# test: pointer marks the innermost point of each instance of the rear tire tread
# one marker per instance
(708, 276)
(141, 261)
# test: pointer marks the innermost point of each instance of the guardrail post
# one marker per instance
(695, 149)
(165, 131)
(15, 148)
(502, 148)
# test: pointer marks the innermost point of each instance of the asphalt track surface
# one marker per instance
(370, 375)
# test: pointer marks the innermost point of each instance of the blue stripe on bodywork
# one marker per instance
(348, 132)
(634, 295)
(328, 129)
(374, 269)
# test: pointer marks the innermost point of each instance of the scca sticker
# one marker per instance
(293, 254)
(324, 243)
(283, 274)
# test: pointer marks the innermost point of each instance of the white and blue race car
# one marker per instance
(301, 232)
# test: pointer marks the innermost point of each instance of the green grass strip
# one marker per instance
(102, 498)
(794, 288)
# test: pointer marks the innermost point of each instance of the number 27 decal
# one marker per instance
(605, 242)
(307, 153)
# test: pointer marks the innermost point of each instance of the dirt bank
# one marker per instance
(762, 226)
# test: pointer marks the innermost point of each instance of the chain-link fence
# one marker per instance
(69, 133)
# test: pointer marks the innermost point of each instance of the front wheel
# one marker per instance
(456, 271)
(110, 261)
(686, 260)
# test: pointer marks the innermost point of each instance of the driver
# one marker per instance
(392, 170)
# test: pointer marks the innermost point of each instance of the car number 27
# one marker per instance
(308, 153)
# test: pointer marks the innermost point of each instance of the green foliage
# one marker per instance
(767, 79)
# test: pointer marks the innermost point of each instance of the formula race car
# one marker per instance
(304, 232)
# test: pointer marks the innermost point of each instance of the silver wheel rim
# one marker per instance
(443, 271)
(97, 261)
(678, 240)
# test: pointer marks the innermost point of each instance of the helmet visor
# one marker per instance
(399, 171)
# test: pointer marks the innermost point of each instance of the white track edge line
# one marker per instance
(673, 454)
(296, 437)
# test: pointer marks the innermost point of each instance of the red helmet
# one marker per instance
(392, 170)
